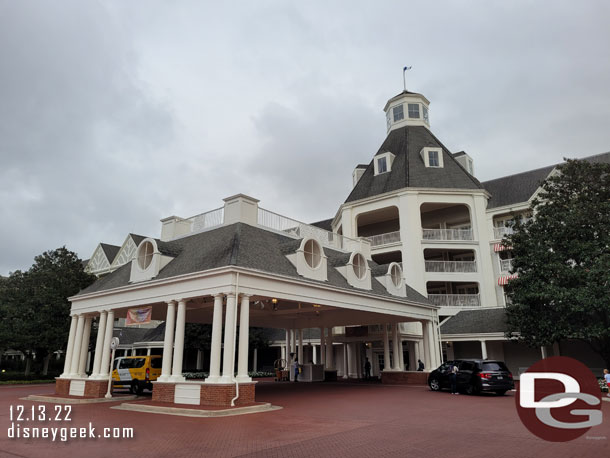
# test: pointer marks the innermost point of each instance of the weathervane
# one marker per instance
(404, 76)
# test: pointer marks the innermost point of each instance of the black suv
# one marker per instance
(474, 376)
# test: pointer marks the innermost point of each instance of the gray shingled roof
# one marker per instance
(408, 168)
(137, 239)
(110, 251)
(127, 336)
(240, 245)
(519, 188)
(476, 321)
(324, 224)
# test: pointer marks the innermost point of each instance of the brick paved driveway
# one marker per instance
(317, 420)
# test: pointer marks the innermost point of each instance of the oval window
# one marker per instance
(145, 255)
(312, 253)
(396, 274)
(359, 266)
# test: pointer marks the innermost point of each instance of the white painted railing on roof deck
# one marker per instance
(455, 300)
(451, 266)
(297, 229)
(207, 220)
(447, 234)
(384, 239)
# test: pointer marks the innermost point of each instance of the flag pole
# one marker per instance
(404, 77)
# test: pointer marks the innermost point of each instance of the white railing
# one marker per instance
(447, 234)
(384, 239)
(500, 232)
(455, 300)
(506, 265)
(451, 266)
(297, 229)
(207, 220)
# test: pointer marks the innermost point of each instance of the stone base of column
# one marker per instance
(404, 377)
(87, 388)
(243, 379)
(177, 378)
(210, 394)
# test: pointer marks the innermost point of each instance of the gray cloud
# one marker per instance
(116, 114)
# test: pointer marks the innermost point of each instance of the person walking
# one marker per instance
(367, 369)
(607, 379)
(295, 366)
(420, 365)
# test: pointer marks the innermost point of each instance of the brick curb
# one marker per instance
(58, 400)
(267, 407)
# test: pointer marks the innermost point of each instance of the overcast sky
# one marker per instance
(116, 114)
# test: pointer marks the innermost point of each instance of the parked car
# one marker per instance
(136, 372)
(474, 376)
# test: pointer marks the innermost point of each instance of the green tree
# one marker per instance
(34, 305)
(562, 257)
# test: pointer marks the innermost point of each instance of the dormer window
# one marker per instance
(312, 254)
(414, 110)
(359, 266)
(383, 162)
(145, 255)
(396, 275)
(398, 113)
(432, 157)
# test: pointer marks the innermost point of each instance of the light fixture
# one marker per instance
(317, 305)
(274, 301)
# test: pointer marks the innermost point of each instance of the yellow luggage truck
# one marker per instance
(136, 372)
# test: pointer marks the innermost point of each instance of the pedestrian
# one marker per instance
(367, 369)
(295, 365)
(420, 365)
(453, 377)
(607, 378)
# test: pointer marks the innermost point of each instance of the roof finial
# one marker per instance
(404, 76)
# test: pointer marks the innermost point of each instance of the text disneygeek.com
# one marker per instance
(22, 427)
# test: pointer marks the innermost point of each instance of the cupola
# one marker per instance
(407, 109)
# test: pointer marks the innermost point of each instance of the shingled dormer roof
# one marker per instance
(408, 168)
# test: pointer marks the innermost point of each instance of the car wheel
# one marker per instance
(500, 392)
(472, 389)
(435, 384)
(136, 387)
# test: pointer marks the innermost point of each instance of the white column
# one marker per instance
(179, 343)
(434, 346)
(168, 342)
(70, 347)
(345, 360)
(99, 345)
(450, 351)
(216, 344)
(106, 364)
(229, 343)
(483, 350)
(412, 356)
(322, 347)
(300, 352)
(543, 352)
(244, 329)
(314, 356)
(426, 338)
(78, 343)
(401, 361)
(395, 347)
(133, 352)
(84, 349)
(330, 357)
(255, 359)
(293, 345)
(199, 363)
(386, 349)
(286, 355)
(148, 351)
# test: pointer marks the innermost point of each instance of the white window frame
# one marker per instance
(402, 113)
(425, 155)
(425, 114)
(409, 105)
(389, 159)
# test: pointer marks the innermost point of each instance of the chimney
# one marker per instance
(241, 209)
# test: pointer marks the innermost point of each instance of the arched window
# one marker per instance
(359, 266)
(312, 253)
(396, 275)
(145, 255)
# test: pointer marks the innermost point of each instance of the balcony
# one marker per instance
(506, 265)
(500, 232)
(384, 239)
(455, 300)
(451, 266)
(448, 234)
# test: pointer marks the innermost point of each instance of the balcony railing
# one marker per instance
(207, 220)
(384, 239)
(451, 266)
(448, 234)
(297, 229)
(500, 232)
(506, 265)
(455, 300)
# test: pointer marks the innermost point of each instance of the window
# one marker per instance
(494, 366)
(312, 254)
(132, 363)
(433, 159)
(388, 119)
(359, 266)
(145, 255)
(398, 113)
(396, 274)
(466, 366)
(425, 112)
(156, 363)
(382, 165)
(414, 110)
